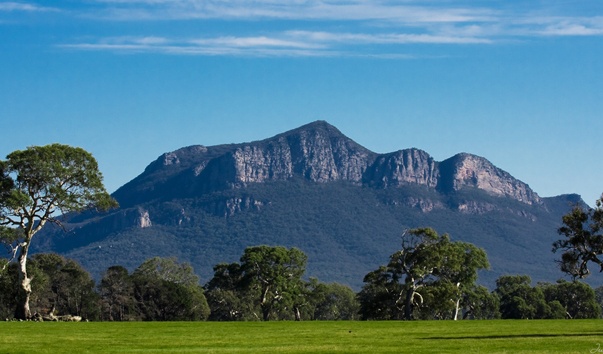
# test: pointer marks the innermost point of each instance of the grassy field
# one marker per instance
(508, 336)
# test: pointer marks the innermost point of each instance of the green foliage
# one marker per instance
(330, 302)
(583, 242)
(165, 290)
(116, 291)
(161, 300)
(160, 289)
(267, 285)
(379, 296)
(480, 304)
(168, 269)
(577, 300)
(60, 287)
(227, 296)
(49, 178)
(429, 274)
(38, 184)
(268, 276)
(599, 297)
(274, 275)
(8, 291)
(519, 300)
(68, 288)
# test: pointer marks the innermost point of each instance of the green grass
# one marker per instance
(504, 336)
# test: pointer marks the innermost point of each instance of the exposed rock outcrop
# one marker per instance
(411, 166)
(466, 170)
(320, 153)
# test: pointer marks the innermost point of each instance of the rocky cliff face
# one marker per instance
(470, 171)
(320, 153)
(411, 166)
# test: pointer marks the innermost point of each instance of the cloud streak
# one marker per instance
(282, 44)
(381, 28)
(352, 10)
(11, 6)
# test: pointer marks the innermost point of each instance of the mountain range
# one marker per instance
(314, 188)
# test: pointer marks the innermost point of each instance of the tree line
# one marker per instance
(268, 284)
(430, 277)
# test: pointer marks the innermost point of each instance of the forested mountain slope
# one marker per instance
(314, 188)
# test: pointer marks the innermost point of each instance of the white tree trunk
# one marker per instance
(458, 303)
(456, 310)
(23, 312)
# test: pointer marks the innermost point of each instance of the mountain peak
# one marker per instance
(317, 128)
(467, 170)
(316, 152)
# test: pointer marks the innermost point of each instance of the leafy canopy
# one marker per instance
(36, 186)
(428, 266)
(40, 181)
(583, 242)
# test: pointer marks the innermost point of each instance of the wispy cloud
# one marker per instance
(325, 27)
(333, 10)
(287, 43)
(573, 27)
(23, 7)
(386, 38)
(220, 46)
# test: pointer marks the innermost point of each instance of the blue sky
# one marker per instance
(517, 82)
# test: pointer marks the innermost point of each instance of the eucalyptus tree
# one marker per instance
(274, 275)
(330, 301)
(265, 285)
(583, 240)
(226, 295)
(37, 185)
(459, 269)
(166, 290)
(577, 299)
(427, 264)
(415, 264)
(480, 304)
(519, 300)
(116, 290)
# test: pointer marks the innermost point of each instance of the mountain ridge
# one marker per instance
(321, 153)
(314, 188)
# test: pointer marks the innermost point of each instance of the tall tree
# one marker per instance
(330, 301)
(583, 242)
(116, 291)
(459, 268)
(166, 290)
(379, 295)
(577, 299)
(479, 303)
(228, 299)
(519, 300)
(274, 273)
(427, 264)
(37, 185)
(415, 264)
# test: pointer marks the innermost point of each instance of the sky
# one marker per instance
(517, 82)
